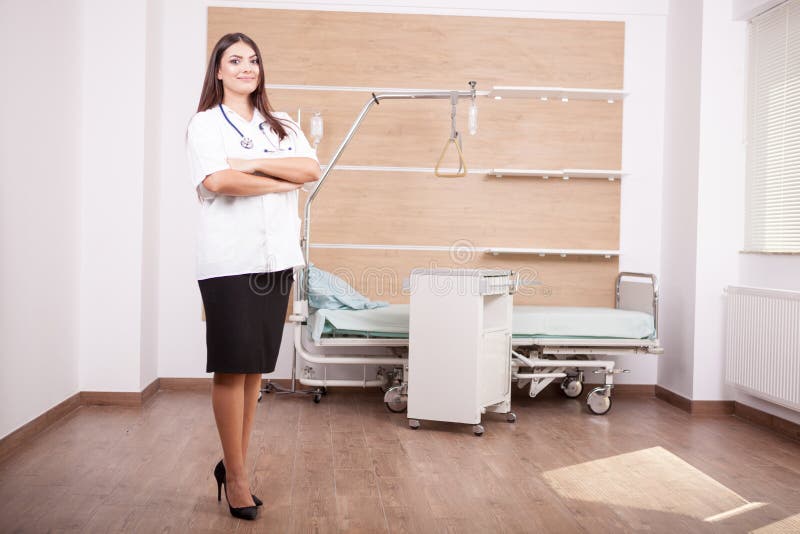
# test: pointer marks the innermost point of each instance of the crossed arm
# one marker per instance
(251, 177)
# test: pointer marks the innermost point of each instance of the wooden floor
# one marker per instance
(348, 465)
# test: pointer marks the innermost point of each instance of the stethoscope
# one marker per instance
(247, 143)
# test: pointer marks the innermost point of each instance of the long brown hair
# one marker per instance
(212, 87)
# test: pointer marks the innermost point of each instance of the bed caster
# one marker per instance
(571, 387)
(511, 417)
(259, 396)
(599, 401)
(317, 398)
(413, 424)
(324, 390)
(477, 430)
(395, 400)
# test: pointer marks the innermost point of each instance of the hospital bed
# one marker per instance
(549, 343)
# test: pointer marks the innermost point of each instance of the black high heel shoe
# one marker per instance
(244, 512)
(221, 468)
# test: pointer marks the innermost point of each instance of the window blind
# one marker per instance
(772, 211)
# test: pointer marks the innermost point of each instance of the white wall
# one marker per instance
(704, 189)
(772, 271)
(704, 197)
(181, 341)
(151, 206)
(720, 220)
(112, 161)
(181, 332)
(679, 195)
(39, 196)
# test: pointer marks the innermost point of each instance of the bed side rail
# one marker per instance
(654, 285)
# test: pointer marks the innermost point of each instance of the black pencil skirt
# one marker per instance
(245, 315)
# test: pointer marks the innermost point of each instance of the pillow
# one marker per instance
(329, 292)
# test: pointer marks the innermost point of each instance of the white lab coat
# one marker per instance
(241, 235)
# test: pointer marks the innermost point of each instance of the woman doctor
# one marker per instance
(247, 163)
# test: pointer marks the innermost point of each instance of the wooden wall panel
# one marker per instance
(427, 51)
(444, 52)
(364, 207)
(520, 133)
(379, 274)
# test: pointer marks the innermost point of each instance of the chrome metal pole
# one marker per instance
(301, 288)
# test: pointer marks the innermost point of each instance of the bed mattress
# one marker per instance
(528, 321)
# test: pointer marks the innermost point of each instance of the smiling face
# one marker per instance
(239, 69)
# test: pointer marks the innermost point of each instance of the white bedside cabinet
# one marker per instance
(459, 359)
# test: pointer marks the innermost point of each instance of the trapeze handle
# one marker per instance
(462, 165)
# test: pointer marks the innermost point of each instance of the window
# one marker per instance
(772, 216)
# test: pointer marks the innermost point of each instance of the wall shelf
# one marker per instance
(564, 174)
(499, 92)
(562, 252)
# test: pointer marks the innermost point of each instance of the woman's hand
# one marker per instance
(243, 165)
(291, 169)
(284, 186)
(240, 184)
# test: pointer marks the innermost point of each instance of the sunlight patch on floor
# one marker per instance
(649, 479)
(790, 525)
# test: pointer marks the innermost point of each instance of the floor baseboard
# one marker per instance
(695, 407)
(737, 409)
(204, 384)
(120, 398)
(186, 384)
(11, 442)
(151, 390)
(110, 398)
(772, 422)
(41, 423)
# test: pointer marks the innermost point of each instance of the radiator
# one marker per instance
(763, 343)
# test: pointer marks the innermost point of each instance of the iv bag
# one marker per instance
(316, 127)
(473, 118)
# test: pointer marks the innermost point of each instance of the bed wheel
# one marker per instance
(413, 424)
(259, 396)
(477, 430)
(324, 390)
(571, 387)
(599, 401)
(394, 400)
(317, 398)
(511, 417)
(395, 408)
